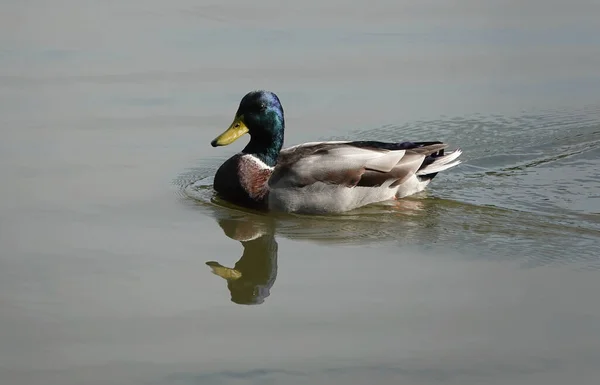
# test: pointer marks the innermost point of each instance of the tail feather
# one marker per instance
(441, 163)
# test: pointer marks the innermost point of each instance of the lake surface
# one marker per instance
(116, 257)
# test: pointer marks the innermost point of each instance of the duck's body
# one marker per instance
(318, 177)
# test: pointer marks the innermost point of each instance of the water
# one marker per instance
(115, 254)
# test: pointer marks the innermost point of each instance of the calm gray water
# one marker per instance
(115, 254)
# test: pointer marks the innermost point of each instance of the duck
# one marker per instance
(325, 177)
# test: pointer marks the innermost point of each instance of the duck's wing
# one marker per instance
(353, 163)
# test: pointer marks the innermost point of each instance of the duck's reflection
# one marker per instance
(251, 278)
(253, 275)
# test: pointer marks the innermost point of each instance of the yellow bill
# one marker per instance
(223, 271)
(235, 130)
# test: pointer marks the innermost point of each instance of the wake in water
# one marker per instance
(528, 189)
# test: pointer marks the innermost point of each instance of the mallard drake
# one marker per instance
(318, 177)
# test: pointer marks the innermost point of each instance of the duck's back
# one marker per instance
(329, 177)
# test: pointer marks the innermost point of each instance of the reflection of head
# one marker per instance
(257, 268)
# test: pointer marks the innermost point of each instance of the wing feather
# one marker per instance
(351, 163)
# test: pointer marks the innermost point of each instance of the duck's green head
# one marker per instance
(260, 114)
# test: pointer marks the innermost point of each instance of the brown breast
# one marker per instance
(254, 176)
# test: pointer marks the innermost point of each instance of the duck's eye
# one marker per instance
(263, 106)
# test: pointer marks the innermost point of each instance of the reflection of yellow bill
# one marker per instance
(224, 272)
(235, 130)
